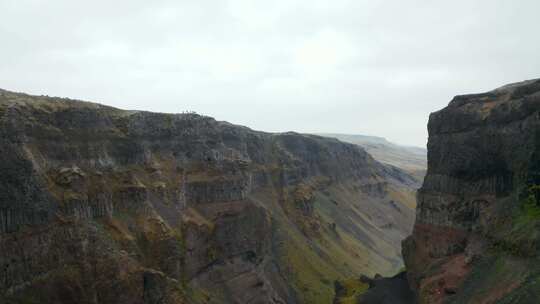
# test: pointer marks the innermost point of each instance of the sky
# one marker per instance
(357, 67)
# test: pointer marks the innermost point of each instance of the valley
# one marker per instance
(101, 205)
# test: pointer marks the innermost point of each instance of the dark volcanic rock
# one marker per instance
(394, 290)
(101, 205)
(377, 290)
(476, 234)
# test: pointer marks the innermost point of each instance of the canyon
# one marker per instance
(409, 158)
(102, 205)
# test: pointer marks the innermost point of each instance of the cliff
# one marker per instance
(101, 205)
(411, 159)
(477, 231)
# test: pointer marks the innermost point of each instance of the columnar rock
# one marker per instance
(477, 230)
(101, 205)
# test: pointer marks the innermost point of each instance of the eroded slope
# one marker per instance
(410, 159)
(101, 205)
(476, 237)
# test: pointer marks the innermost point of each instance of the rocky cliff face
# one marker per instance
(411, 159)
(476, 236)
(101, 205)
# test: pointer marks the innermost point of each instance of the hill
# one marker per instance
(408, 158)
(102, 205)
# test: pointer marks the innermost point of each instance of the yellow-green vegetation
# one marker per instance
(193, 217)
(528, 215)
(195, 295)
(70, 196)
(364, 256)
(531, 208)
(307, 268)
(118, 230)
(92, 182)
(312, 262)
(310, 275)
(138, 201)
(519, 234)
(405, 197)
(303, 192)
(493, 277)
(351, 289)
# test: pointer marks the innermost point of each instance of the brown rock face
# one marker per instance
(101, 205)
(477, 223)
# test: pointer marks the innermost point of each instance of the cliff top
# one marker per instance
(502, 105)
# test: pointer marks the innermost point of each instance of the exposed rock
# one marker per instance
(100, 205)
(66, 176)
(376, 290)
(476, 234)
(410, 159)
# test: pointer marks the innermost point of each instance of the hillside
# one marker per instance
(477, 233)
(102, 205)
(408, 158)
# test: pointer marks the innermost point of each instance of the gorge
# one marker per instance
(101, 205)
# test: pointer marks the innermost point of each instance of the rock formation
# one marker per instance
(100, 205)
(410, 159)
(376, 290)
(476, 236)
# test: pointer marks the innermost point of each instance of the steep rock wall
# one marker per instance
(476, 234)
(101, 205)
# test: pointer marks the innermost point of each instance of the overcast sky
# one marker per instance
(359, 67)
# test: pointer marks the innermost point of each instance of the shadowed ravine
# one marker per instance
(101, 205)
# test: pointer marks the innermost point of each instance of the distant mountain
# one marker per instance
(408, 158)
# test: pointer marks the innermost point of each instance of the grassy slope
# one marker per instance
(410, 159)
(311, 260)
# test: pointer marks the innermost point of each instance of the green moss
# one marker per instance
(309, 273)
(520, 236)
(531, 205)
(212, 253)
(351, 289)
(196, 295)
(178, 235)
(494, 273)
(331, 254)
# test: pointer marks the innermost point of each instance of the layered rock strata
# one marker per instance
(476, 236)
(101, 205)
